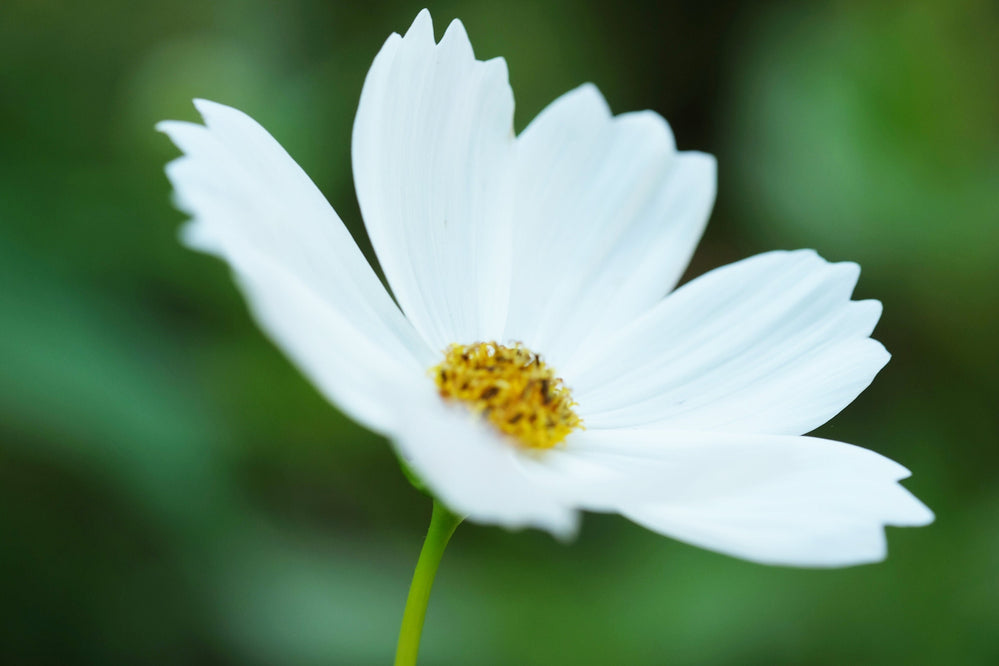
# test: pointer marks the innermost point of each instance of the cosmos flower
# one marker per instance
(537, 360)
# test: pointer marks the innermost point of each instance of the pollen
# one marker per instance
(511, 387)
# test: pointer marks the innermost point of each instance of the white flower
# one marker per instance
(566, 239)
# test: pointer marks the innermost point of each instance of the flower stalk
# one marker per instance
(442, 526)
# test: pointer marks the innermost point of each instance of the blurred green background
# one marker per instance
(172, 491)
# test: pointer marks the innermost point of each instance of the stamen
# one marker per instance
(513, 388)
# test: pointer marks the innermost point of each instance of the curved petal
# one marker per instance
(432, 149)
(788, 500)
(476, 473)
(607, 216)
(304, 277)
(772, 344)
(344, 361)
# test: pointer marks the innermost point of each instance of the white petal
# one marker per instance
(344, 361)
(306, 281)
(772, 344)
(608, 214)
(476, 473)
(774, 499)
(432, 154)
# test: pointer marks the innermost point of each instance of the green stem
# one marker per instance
(442, 526)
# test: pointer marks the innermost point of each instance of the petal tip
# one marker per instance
(808, 254)
(456, 39)
(883, 354)
(709, 161)
(214, 112)
(455, 30)
(916, 513)
(568, 529)
(875, 307)
(589, 95)
(849, 269)
(422, 26)
(206, 105)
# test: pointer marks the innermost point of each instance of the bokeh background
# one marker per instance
(172, 491)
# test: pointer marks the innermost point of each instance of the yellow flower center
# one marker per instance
(513, 388)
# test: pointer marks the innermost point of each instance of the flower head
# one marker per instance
(539, 361)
